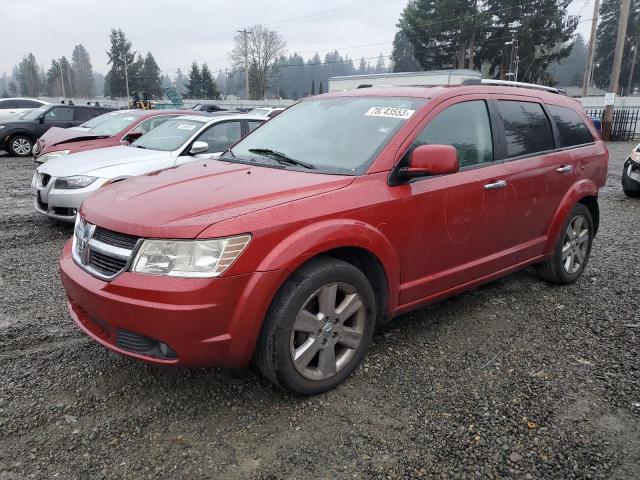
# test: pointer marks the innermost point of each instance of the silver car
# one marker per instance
(62, 184)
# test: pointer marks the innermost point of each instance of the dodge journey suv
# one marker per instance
(337, 215)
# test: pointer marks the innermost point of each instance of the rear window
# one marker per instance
(571, 127)
(527, 128)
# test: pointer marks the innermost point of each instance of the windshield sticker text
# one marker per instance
(186, 126)
(389, 112)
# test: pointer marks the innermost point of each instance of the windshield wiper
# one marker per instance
(282, 158)
(228, 150)
(138, 146)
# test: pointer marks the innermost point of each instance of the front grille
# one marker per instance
(114, 238)
(105, 264)
(101, 252)
(142, 345)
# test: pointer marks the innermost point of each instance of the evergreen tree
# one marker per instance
(54, 86)
(320, 90)
(570, 70)
(12, 88)
(180, 82)
(380, 64)
(313, 87)
(606, 43)
(362, 66)
(119, 53)
(194, 85)
(150, 77)
(209, 88)
(69, 77)
(402, 57)
(28, 76)
(83, 71)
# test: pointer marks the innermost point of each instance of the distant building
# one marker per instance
(414, 79)
(576, 92)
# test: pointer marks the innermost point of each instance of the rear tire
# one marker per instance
(20, 146)
(318, 328)
(630, 187)
(572, 249)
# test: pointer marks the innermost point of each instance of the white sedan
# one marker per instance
(62, 184)
(10, 107)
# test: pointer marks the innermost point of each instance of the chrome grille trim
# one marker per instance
(97, 257)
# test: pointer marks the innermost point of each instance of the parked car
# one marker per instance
(268, 112)
(118, 128)
(61, 184)
(12, 107)
(207, 107)
(631, 174)
(337, 215)
(18, 135)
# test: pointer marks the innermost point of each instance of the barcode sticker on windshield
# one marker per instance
(186, 126)
(129, 118)
(391, 112)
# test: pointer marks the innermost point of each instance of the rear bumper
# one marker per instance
(206, 322)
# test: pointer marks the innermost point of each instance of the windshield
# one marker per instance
(95, 121)
(334, 135)
(33, 114)
(113, 125)
(168, 136)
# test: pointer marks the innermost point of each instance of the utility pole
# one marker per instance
(634, 48)
(514, 60)
(588, 70)
(64, 95)
(126, 76)
(617, 64)
(244, 32)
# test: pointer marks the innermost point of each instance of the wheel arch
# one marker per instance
(354, 242)
(585, 192)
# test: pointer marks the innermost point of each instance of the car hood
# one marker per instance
(181, 202)
(57, 135)
(92, 162)
(12, 122)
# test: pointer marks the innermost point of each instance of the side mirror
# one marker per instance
(40, 120)
(199, 147)
(130, 137)
(431, 160)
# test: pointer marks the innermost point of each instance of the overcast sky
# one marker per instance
(178, 32)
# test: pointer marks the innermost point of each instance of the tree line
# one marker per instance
(431, 35)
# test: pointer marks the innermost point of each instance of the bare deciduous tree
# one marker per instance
(262, 47)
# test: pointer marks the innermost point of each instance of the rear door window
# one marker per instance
(527, 128)
(28, 104)
(466, 127)
(571, 128)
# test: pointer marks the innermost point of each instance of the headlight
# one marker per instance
(635, 154)
(79, 181)
(50, 155)
(189, 258)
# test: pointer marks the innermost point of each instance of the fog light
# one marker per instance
(166, 350)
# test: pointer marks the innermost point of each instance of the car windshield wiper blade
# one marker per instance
(282, 158)
(139, 146)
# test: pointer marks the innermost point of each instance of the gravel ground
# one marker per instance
(515, 379)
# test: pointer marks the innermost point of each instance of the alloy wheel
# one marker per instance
(576, 244)
(21, 146)
(327, 331)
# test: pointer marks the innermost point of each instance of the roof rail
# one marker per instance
(509, 83)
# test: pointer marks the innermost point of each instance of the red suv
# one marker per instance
(339, 214)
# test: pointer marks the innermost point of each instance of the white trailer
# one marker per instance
(433, 77)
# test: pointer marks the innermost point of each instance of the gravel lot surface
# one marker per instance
(515, 379)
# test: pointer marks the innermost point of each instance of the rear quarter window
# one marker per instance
(526, 126)
(571, 128)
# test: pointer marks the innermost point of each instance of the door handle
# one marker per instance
(496, 185)
(564, 169)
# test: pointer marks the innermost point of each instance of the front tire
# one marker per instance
(20, 146)
(630, 187)
(318, 328)
(572, 249)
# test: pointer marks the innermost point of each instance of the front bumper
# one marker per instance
(62, 204)
(205, 322)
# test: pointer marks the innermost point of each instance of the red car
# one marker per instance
(341, 213)
(109, 130)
